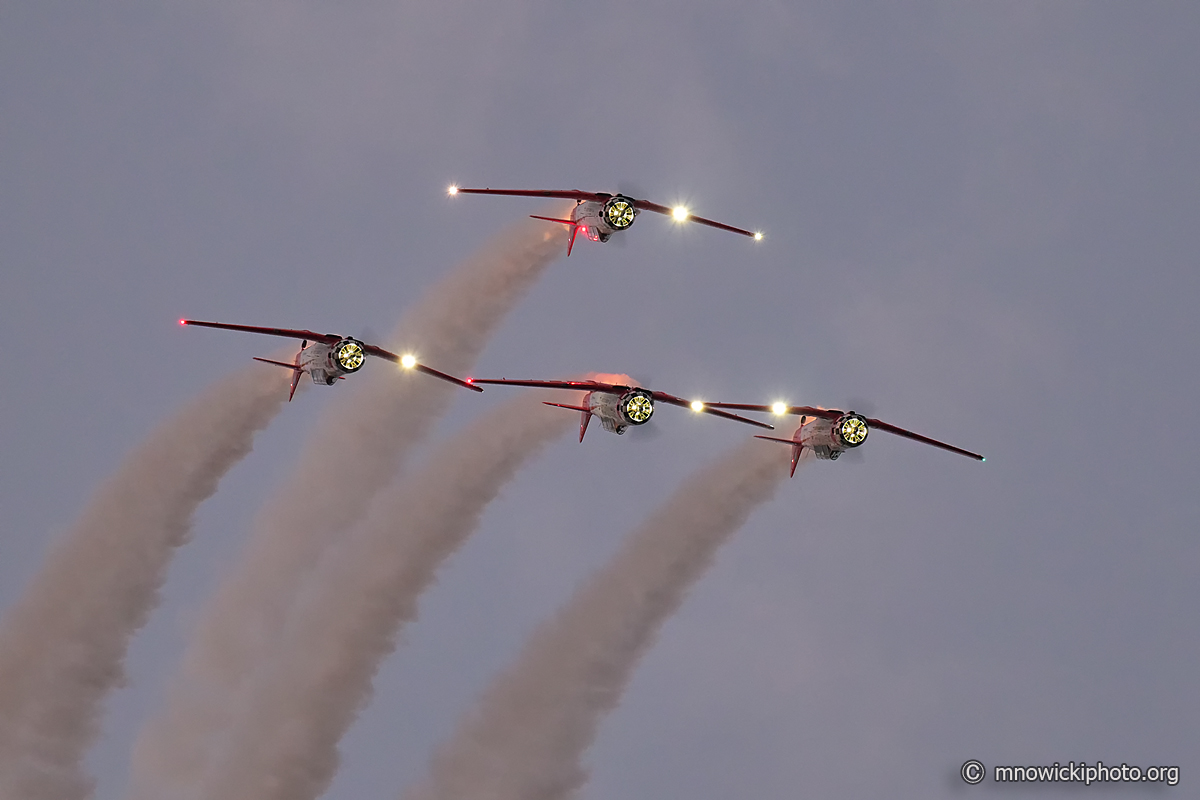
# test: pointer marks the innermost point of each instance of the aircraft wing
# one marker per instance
(600, 197)
(646, 205)
(809, 411)
(833, 413)
(916, 437)
(564, 194)
(671, 399)
(379, 352)
(612, 388)
(312, 336)
(582, 386)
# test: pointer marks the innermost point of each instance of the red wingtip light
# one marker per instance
(183, 322)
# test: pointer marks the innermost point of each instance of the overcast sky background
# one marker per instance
(979, 220)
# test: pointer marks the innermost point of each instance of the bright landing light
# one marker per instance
(408, 361)
(680, 213)
(697, 405)
(779, 409)
(758, 236)
(453, 190)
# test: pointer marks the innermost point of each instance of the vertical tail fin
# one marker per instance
(297, 372)
(574, 228)
(795, 442)
(295, 367)
(797, 448)
(584, 418)
(585, 414)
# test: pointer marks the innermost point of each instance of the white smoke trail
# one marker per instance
(285, 744)
(63, 645)
(351, 455)
(526, 737)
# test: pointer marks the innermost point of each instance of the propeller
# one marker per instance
(629, 189)
(859, 405)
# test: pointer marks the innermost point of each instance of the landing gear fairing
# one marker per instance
(828, 432)
(598, 215)
(328, 357)
(617, 406)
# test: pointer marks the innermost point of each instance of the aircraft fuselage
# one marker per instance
(600, 220)
(617, 412)
(828, 439)
(327, 363)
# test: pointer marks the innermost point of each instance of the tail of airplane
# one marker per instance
(797, 446)
(571, 222)
(295, 367)
(585, 416)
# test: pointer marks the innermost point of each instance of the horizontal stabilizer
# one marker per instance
(796, 453)
(792, 442)
(562, 405)
(554, 219)
(279, 364)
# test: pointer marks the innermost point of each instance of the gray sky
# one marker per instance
(980, 220)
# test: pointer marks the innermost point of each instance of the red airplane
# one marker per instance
(330, 357)
(828, 432)
(598, 215)
(618, 406)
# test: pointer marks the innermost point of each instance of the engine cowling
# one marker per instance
(850, 430)
(348, 355)
(618, 212)
(636, 406)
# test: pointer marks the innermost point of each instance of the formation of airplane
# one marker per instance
(618, 406)
(826, 433)
(328, 357)
(598, 215)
